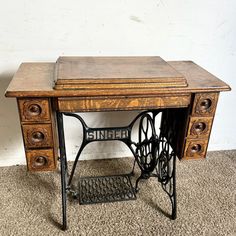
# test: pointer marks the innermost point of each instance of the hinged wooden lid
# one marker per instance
(115, 73)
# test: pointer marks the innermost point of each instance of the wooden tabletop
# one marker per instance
(37, 80)
(116, 73)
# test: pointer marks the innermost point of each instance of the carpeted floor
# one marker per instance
(30, 203)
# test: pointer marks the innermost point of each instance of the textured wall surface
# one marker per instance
(203, 31)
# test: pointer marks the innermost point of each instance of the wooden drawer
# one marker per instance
(34, 110)
(195, 148)
(122, 103)
(37, 135)
(40, 160)
(199, 127)
(205, 104)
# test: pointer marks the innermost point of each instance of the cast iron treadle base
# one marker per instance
(105, 189)
(152, 151)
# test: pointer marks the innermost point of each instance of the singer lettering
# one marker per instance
(107, 134)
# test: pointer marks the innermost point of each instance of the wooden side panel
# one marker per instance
(189, 128)
(54, 129)
(39, 133)
(122, 103)
(199, 127)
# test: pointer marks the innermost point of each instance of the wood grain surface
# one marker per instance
(34, 110)
(205, 104)
(115, 72)
(37, 80)
(39, 132)
(40, 160)
(199, 127)
(195, 149)
(189, 119)
(122, 103)
(37, 135)
(115, 69)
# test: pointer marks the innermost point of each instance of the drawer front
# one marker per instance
(195, 148)
(37, 135)
(199, 127)
(122, 103)
(34, 110)
(40, 160)
(205, 104)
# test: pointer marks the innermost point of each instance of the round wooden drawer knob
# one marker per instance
(196, 148)
(37, 137)
(199, 127)
(205, 104)
(35, 109)
(40, 161)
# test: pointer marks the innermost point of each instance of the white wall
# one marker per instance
(203, 31)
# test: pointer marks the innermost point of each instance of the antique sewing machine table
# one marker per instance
(181, 92)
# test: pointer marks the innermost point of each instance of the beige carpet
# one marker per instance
(30, 204)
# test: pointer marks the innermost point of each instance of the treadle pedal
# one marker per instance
(103, 189)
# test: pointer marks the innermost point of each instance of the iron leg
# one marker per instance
(167, 177)
(63, 193)
(63, 166)
(174, 203)
(132, 172)
(136, 184)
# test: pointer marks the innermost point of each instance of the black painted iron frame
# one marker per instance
(153, 154)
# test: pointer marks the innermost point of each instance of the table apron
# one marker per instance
(85, 104)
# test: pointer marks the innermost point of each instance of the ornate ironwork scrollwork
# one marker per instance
(147, 145)
(155, 152)
(152, 152)
(166, 171)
